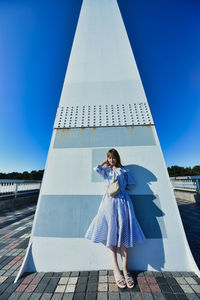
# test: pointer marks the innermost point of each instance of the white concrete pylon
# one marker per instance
(103, 105)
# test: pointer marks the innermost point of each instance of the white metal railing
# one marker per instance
(189, 183)
(13, 187)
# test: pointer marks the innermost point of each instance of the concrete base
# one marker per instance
(7, 203)
(187, 195)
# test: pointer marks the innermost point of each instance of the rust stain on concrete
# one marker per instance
(64, 131)
(82, 130)
(132, 127)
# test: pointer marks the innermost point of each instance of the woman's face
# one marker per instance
(112, 161)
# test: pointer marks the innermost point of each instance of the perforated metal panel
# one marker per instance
(103, 115)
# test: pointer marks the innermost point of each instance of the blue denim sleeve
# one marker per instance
(101, 170)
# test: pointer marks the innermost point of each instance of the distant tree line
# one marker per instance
(175, 171)
(33, 175)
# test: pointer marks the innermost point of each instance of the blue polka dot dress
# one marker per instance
(115, 222)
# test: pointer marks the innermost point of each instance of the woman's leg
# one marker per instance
(128, 277)
(124, 253)
(116, 270)
(114, 259)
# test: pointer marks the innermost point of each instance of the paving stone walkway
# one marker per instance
(15, 228)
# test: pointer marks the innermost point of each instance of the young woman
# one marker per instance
(115, 221)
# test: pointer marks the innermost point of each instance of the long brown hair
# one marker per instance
(113, 153)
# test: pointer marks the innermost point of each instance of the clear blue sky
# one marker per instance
(35, 43)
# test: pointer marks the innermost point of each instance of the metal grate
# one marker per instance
(103, 115)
